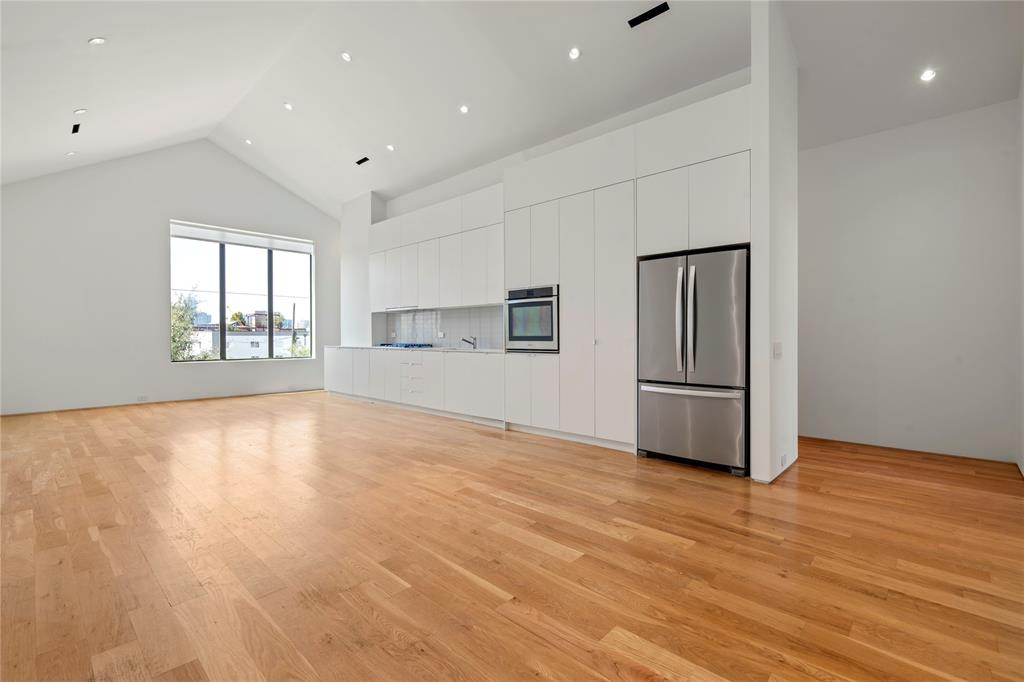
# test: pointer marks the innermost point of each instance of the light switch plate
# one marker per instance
(777, 350)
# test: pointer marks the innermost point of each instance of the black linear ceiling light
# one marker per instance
(648, 15)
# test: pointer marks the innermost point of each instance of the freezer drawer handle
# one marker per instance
(679, 319)
(731, 395)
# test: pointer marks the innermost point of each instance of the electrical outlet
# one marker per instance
(142, 398)
(782, 461)
(777, 350)
(440, 334)
(394, 334)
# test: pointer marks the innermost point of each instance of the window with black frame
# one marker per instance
(239, 295)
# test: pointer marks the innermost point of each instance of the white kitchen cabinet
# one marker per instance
(532, 389)
(597, 162)
(409, 383)
(495, 289)
(704, 130)
(517, 248)
(450, 275)
(378, 282)
(474, 267)
(544, 389)
(338, 370)
(544, 244)
(517, 388)
(428, 273)
(410, 277)
(615, 314)
(576, 310)
(662, 212)
(720, 201)
(440, 220)
(483, 207)
(395, 361)
(378, 373)
(393, 279)
(426, 386)
(474, 384)
(361, 371)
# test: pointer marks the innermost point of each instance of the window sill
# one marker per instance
(237, 360)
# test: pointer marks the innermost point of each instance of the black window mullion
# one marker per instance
(270, 303)
(223, 308)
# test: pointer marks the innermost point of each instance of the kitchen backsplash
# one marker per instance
(422, 326)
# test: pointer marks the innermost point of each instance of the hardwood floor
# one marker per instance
(308, 537)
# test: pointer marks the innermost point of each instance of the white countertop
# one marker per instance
(433, 349)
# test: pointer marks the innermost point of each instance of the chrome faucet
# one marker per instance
(471, 341)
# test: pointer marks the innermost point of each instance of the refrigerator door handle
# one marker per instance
(679, 319)
(691, 360)
(731, 395)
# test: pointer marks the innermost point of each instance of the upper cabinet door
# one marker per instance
(482, 208)
(428, 273)
(615, 314)
(720, 201)
(410, 276)
(662, 212)
(517, 248)
(576, 310)
(378, 282)
(704, 130)
(495, 292)
(450, 276)
(393, 279)
(544, 244)
(441, 219)
(474, 267)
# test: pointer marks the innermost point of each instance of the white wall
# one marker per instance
(85, 279)
(910, 286)
(773, 244)
(356, 216)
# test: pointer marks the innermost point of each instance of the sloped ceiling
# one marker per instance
(177, 71)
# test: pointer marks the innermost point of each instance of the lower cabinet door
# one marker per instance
(361, 371)
(393, 375)
(544, 391)
(489, 384)
(378, 373)
(517, 388)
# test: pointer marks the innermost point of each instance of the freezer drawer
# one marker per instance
(706, 425)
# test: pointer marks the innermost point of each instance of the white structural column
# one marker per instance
(773, 243)
(356, 217)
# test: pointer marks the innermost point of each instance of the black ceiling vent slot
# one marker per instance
(648, 15)
(363, 160)
(75, 127)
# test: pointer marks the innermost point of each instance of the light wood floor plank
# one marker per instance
(313, 537)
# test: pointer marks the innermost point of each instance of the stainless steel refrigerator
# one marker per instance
(692, 370)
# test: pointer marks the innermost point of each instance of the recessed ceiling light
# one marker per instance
(390, 147)
(464, 109)
(248, 141)
(927, 75)
(79, 112)
(97, 40)
(346, 56)
(288, 106)
(70, 153)
(574, 53)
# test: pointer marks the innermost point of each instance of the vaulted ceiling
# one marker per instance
(176, 71)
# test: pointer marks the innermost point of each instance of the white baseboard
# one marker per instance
(576, 438)
(483, 421)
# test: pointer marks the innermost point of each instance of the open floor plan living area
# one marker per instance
(511, 340)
